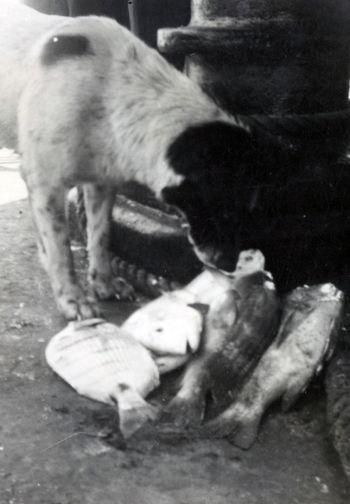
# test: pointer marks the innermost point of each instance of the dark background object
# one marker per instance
(267, 57)
(117, 9)
(59, 7)
(272, 62)
(147, 16)
(150, 237)
(150, 15)
(144, 17)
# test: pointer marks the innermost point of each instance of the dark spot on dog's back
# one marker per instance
(65, 46)
(123, 387)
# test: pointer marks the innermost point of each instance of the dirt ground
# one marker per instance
(49, 452)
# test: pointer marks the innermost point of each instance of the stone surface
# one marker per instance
(49, 452)
(267, 57)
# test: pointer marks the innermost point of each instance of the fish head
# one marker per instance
(312, 295)
(318, 309)
(168, 325)
(249, 262)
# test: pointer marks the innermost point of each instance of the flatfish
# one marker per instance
(106, 364)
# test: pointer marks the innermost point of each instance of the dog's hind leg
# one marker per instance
(99, 201)
(48, 208)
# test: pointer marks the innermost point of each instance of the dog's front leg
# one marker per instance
(99, 201)
(48, 208)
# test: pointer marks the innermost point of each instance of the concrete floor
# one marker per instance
(49, 452)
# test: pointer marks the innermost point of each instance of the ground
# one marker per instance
(50, 452)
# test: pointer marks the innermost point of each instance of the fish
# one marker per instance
(337, 381)
(211, 283)
(167, 325)
(173, 323)
(168, 363)
(305, 340)
(240, 324)
(105, 363)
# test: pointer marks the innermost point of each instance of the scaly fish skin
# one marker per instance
(239, 327)
(167, 325)
(104, 363)
(306, 337)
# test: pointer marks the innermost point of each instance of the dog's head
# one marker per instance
(223, 166)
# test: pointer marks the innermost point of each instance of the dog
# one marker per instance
(86, 102)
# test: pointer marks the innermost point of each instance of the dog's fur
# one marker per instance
(86, 102)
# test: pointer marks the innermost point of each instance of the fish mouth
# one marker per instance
(324, 293)
(331, 292)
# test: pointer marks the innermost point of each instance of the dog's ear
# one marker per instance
(211, 146)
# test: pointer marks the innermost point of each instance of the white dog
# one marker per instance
(86, 102)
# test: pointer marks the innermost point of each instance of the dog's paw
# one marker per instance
(75, 305)
(108, 287)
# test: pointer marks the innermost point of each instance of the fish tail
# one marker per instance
(238, 423)
(246, 433)
(133, 411)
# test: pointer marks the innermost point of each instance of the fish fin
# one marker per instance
(236, 423)
(246, 433)
(332, 340)
(82, 324)
(202, 308)
(133, 410)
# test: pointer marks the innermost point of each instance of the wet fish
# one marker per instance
(338, 400)
(305, 339)
(106, 364)
(173, 323)
(167, 325)
(211, 283)
(240, 325)
(167, 363)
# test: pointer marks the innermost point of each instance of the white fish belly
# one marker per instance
(95, 360)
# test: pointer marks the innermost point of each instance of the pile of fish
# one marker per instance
(239, 345)
(306, 337)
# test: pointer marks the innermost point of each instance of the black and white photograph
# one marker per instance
(174, 252)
